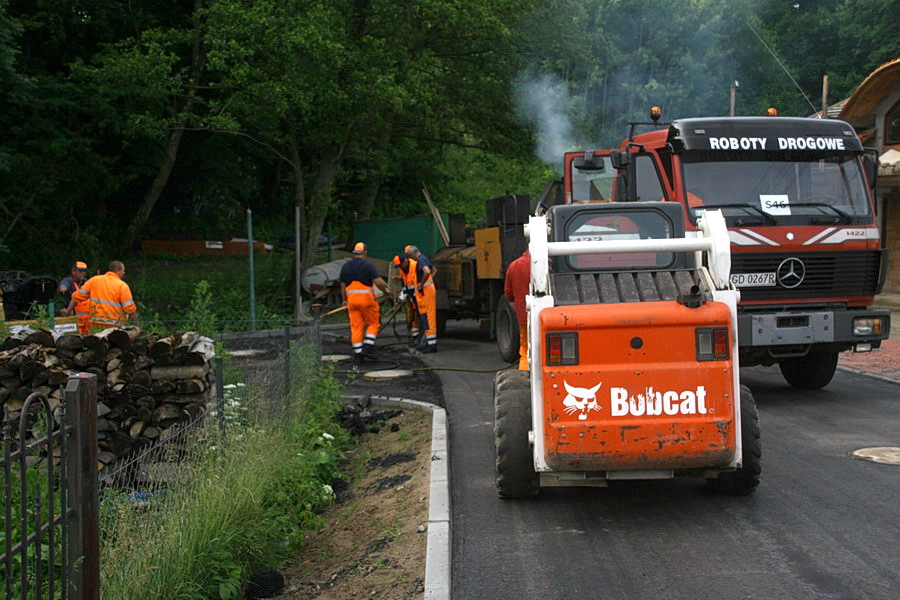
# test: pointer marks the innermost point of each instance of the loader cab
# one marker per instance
(619, 222)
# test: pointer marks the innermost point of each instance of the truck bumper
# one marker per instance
(805, 328)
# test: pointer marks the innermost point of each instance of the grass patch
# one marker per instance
(239, 503)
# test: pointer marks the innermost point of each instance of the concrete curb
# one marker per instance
(263, 334)
(868, 374)
(437, 552)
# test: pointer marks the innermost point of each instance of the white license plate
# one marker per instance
(753, 279)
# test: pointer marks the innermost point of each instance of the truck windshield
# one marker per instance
(826, 190)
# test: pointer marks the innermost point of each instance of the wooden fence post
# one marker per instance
(84, 529)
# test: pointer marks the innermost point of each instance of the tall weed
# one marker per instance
(248, 502)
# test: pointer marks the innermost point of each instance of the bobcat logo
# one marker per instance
(580, 400)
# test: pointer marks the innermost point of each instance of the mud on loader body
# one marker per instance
(633, 356)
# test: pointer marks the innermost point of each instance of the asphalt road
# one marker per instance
(821, 525)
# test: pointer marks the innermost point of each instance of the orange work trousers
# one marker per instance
(365, 320)
(427, 300)
(523, 347)
(412, 319)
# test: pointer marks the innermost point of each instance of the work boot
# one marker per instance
(368, 351)
(429, 349)
(358, 358)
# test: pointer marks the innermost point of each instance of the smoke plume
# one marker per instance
(542, 102)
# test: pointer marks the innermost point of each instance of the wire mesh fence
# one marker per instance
(145, 495)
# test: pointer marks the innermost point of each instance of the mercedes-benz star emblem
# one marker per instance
(791, 272)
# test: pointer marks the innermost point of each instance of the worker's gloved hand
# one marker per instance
(402, 295)
(64, 311)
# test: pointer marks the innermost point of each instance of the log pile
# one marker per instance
(146, 384)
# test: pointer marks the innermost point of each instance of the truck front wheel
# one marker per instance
(515, 474)
(507, 330)
(810, 372)
(744, 480)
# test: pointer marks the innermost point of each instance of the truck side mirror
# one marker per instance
(621, 159)
(871, 167)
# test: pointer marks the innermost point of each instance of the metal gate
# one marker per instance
(50, 548)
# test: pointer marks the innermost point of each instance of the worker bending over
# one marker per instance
(357, 280)
(515, 286)
(426, 298)
(406, 268)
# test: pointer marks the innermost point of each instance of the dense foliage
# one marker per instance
(126, 120)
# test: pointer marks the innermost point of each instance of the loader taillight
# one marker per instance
(562, 348)
(712, 343)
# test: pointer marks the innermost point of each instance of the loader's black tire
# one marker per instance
(744, 480)
(506, 327)
(515, 474)
(810, 372)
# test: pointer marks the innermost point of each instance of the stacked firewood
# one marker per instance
(147, 384)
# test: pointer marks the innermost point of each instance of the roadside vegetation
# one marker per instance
(239, 502)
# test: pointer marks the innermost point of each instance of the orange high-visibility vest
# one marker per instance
(83, 307)
(110, 300)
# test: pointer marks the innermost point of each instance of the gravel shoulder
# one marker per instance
(373, 542)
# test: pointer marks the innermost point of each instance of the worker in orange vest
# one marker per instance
(358, 280)
(407, 276)
(70, 285)
(426, 298)
(111, 304)
(515, 286)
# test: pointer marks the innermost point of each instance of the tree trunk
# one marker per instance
(370, 191)
(299, 190)
(320, 199)
(171, 153)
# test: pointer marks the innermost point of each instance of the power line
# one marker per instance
(781, 65)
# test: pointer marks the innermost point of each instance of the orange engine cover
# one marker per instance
(638, 398)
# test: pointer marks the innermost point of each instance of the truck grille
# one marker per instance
(827, 274)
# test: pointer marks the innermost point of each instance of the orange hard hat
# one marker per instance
(359, 248)
(406, 249)
(80, 265)
(396, 259)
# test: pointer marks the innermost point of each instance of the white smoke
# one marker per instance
(542, 101)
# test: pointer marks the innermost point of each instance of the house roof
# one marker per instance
(880, 82)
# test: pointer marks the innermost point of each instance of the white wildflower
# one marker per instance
(327, 436)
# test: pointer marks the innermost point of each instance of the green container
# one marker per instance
(388, 237)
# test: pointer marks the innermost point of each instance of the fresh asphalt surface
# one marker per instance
(821, 525)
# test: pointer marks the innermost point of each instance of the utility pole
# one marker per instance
(825, 96)
(734, 87)
(298, 304)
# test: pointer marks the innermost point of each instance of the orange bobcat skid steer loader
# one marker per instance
(633, 356)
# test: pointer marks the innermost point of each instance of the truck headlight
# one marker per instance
(868, 325)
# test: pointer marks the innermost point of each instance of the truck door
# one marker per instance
(591, 179)
(594, 179)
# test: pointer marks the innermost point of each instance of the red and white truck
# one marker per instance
(797, 196)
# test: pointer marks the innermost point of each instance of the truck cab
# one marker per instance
(796, 195)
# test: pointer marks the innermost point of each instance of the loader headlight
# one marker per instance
(868, 325)
(562, 348)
